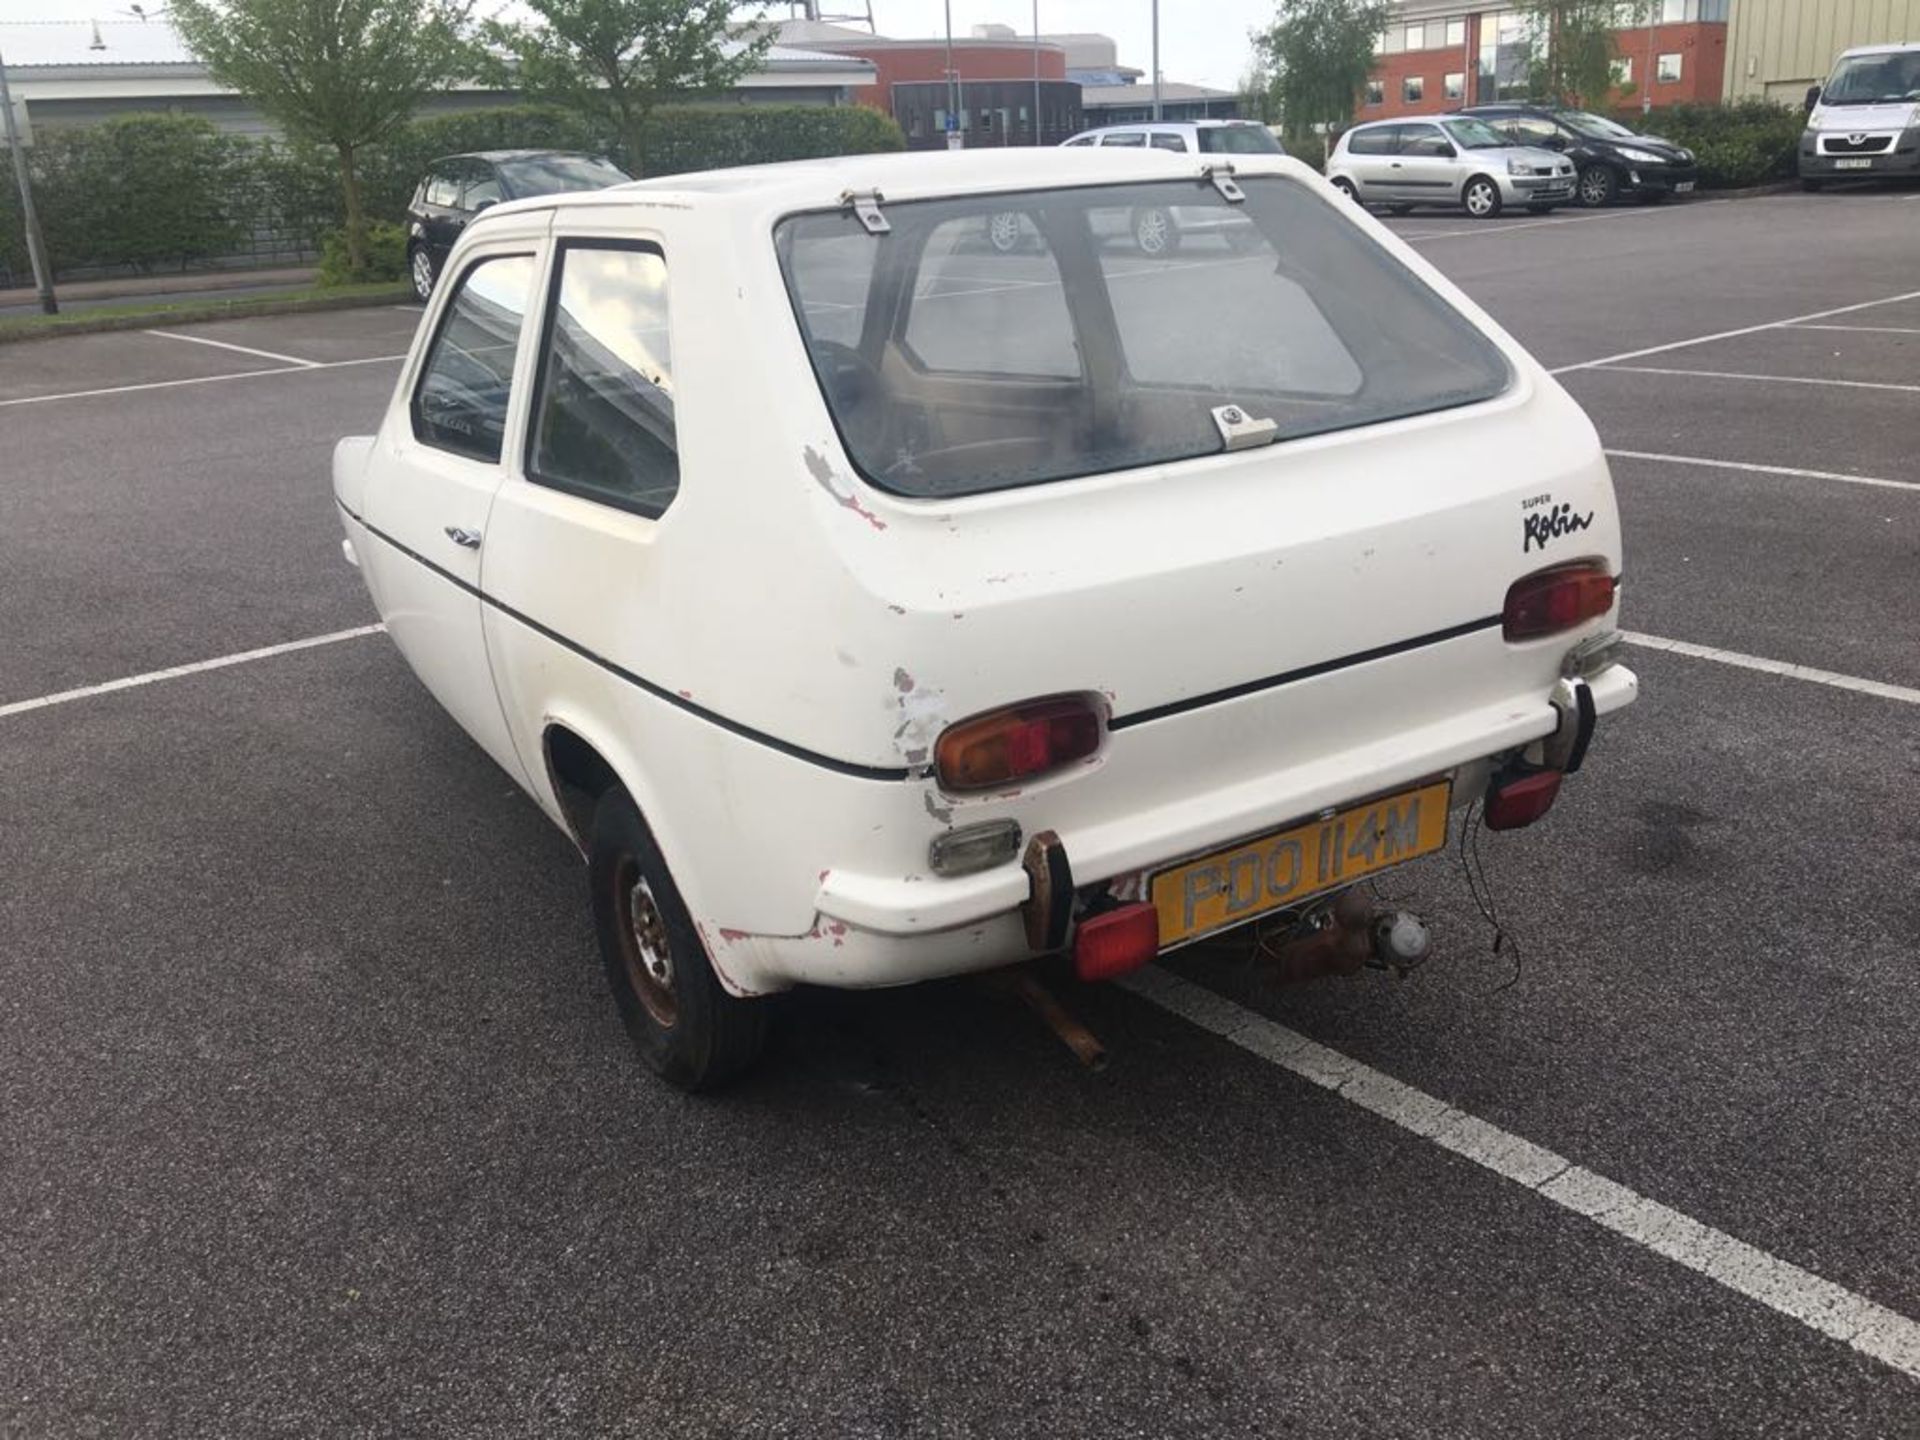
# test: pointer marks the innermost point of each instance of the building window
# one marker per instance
(1413, 89)
(1669, 70)
(1393, 41)
(1456, 33)
(1456, 85)
(1416, 37)
(1623, 71)
(1376, 92)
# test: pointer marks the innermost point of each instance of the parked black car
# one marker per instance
(459, 187)
(1612, 161)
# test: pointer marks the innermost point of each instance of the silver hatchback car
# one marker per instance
(1452, 160)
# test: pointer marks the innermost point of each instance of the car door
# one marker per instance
(1427, 168)
(441, 220)
(587, 490)
(436, 468)
(1371, 154)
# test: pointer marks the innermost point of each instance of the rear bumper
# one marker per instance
(880, 930)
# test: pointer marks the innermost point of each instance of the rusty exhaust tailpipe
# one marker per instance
(1076, 1037)
(1342, 946)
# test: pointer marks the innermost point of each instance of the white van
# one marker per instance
(1867, 119)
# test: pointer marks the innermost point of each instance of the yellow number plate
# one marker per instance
(1247, 880)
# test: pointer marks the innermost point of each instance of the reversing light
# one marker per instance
(1549, 601)
(1116, 943)
(1017, 743)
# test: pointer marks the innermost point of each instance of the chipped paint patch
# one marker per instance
(734, 937)
(942, 813)
(822, 471)
(922, 713)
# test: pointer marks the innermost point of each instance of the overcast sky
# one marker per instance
(1203, 42)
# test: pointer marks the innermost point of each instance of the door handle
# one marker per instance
(465, 539)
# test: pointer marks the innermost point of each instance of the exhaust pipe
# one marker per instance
(1354, 936)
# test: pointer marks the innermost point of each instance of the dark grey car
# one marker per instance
(458, 187)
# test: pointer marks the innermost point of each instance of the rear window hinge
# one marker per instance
(865, 205)
(1221, 176)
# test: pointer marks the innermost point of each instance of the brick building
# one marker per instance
(993, 77)
(1437, 56)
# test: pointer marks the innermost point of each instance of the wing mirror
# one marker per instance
(485, 205)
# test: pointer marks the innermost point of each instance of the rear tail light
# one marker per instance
(1116, 943)
(1521, 800)
(1017, 743)
(1549, 601)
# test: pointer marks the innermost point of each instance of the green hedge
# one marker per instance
(702, 137)
(146, 191)
(1751, 142)
(154, 191)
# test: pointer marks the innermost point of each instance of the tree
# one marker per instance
(340, 73)
(1321, 53)
(614, 61)
(1257, 100)
(1573, 48)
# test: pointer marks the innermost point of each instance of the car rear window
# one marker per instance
(558, 174)
(995, 341)
(1238, 140)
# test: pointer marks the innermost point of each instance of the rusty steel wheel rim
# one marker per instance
(644, 943)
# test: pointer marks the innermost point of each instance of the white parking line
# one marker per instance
(306, 367)
(1489, 231)
(1863, 329)
(229, 345)
(1770, 379)
(1870, 1328)
(1787, 470)
(1902, 693)
(1734, 334)
(87, 692)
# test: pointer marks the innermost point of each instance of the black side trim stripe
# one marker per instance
(870, 772)
(679, 702)
(1305, 672)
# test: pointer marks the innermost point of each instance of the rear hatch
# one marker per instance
(1262, 499)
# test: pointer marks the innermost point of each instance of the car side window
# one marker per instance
(1531, 129)
(1130, 137)
(443, 190)
(1170, 142)
(1379, 140)
(603, 412)
(1424, 140)
(1083, 140)
(483, 187)
(460, 400)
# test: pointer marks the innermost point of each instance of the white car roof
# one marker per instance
(1899, 48)
(916, 175)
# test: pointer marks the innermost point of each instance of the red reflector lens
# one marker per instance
(1016, 744)
(1550, 601)
(1523, 801)
(1116, 943)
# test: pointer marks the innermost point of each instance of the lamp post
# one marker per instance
(954, 138)
(36, 248)
(1156, 60)
(1038, 138)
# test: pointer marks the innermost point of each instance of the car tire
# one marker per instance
(1599, 186)
(1003, 231)
(1481, 197)
(1345, 187)
(1399, 209)
(1154, 233)
(420, 272)
(685, 1025)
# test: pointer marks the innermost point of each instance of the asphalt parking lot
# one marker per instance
(315, 1117)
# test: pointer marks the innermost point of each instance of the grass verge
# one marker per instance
(134, 316)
